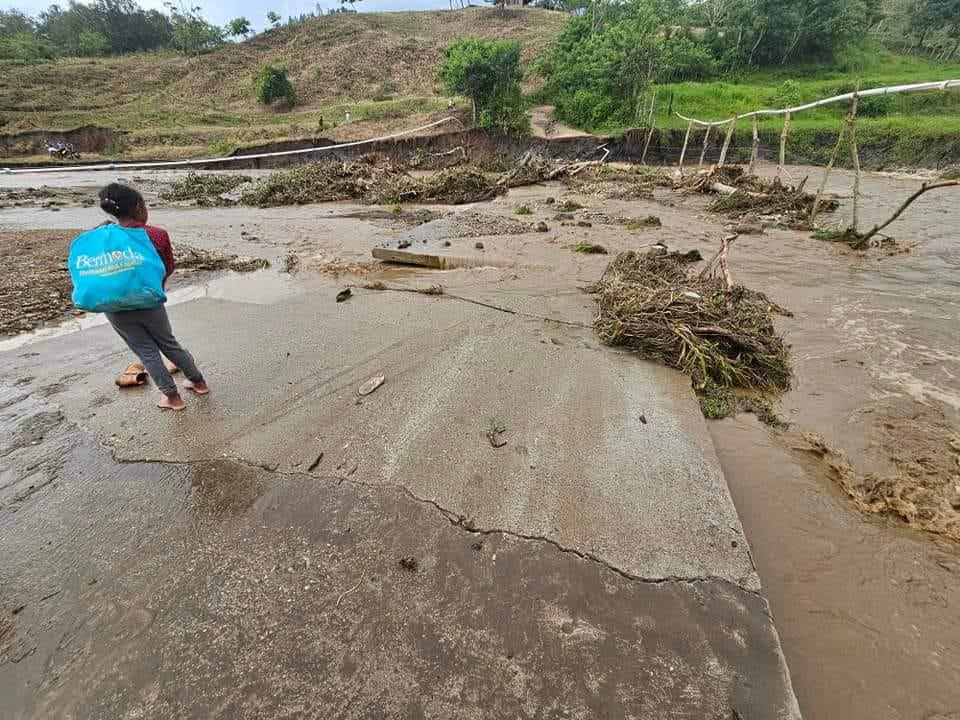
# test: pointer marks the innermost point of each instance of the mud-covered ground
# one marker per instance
(35, 288)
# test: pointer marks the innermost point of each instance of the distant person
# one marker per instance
(147, 331)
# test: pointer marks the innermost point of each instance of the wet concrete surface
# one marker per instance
(218, 589)
(190, 565)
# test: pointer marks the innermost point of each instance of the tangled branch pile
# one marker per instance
(618, 181)
(376, 183)
(739, 194)
(720, 335)
(205, 189)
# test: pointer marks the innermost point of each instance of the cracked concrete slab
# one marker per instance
(605, 454)
(216, 589)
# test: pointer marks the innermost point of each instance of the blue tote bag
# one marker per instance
(116, 268)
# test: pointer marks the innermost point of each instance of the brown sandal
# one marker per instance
(171, 368)
(134, 375)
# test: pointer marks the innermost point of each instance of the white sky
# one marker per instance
(221, 11)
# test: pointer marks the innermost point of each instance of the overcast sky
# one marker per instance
(220, 11)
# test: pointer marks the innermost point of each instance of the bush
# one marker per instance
(876, 106)
(787, 95)
(26, 47)
(92, 44)
(683, 58)
(591, 110)
(270, 84)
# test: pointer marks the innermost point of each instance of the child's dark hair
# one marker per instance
(119, 200)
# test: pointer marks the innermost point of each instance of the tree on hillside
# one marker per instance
(273, 19)
(126, 26)
(936, 15)
(270, 83)
(487, 72)
(14, 22)
(239, 27)
(25, 47)
(600, 65)
(351, 3)
(191, 33)
(92, 44)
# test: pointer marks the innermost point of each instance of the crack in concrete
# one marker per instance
(454, 518)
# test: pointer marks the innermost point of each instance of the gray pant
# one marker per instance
(148, 334)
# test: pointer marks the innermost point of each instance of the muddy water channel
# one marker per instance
(866, 607)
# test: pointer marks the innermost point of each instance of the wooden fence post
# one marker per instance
(726, 141)
(683, 150)
(755, 146)
(826, 173)
(855, 156)
(646, 144)
(783, 144)
(706, 141)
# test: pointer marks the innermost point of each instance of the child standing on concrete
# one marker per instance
(147, 332)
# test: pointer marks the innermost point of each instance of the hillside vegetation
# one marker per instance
(376, 65)
(600, 68)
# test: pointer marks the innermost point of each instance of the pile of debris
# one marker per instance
(191, 258)
(45, 197)
(618, 181)
(379, 183)
(206, 189)
(739, 194)
(39, 291)
(720, 334)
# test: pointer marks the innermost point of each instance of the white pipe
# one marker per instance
(892, 90)
(231, 158)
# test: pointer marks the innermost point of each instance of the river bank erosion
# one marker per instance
(520, 520)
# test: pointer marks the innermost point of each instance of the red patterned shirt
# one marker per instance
(161, 241)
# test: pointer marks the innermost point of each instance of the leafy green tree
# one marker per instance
(936, 15)
(684, 58)
(26, 47)
(191, 33)
(238, 27)
(14, 22)
(127, 27)
(91, 43)
(487, 72)
(273, 19)
(609, 57)
(270, 83)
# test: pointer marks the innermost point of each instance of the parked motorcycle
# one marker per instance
(62, 152)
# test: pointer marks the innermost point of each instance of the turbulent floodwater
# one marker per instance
(866, 607)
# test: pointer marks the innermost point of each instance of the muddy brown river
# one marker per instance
(866, 608)
(865, 605)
